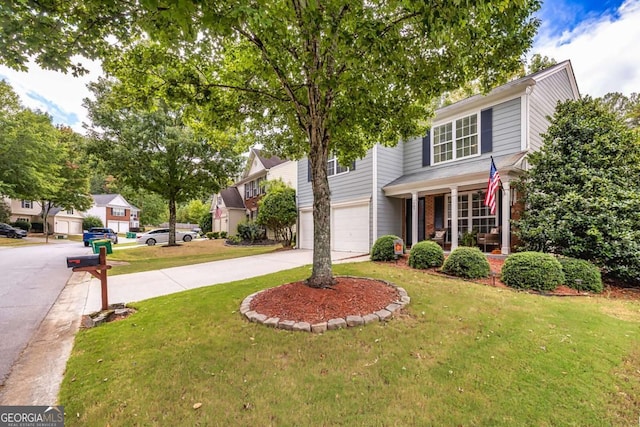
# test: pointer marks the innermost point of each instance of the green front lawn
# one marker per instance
(147, 258)
(460, 354)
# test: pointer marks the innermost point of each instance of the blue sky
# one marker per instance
(601, 38)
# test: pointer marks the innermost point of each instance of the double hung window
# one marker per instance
(456, 140)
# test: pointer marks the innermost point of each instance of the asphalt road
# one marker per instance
(31, 278)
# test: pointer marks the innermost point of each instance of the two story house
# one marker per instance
(438, 182)
(239, 202)
(115, 212)
(60, 221)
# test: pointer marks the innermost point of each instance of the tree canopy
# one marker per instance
(155, 150)
(305, 78)
(582, 194)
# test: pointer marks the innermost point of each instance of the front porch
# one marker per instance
(460, 218)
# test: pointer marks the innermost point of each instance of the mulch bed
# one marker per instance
(360, 296)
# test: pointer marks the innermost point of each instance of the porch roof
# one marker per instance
(438, 178)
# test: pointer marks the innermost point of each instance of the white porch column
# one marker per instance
(414, 218)
(505, 226)
(454, 217)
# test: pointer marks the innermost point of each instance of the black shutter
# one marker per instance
(353, 165)
(438, 212)
(308, 170)
(486, 124)
(426, 149)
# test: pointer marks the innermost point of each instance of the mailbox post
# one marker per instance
(96, 265)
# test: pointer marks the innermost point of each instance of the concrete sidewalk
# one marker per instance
(128, 288)
(36, 377)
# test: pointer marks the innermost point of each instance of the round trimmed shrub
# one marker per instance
(467, 262)
(426, 254)
(581, 274)
(382, 249)
(532, 270)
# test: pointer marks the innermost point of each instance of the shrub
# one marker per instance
(467, 262)
(223, 234)
(426, 254)
(234, 240)
(24, 225)
(209, 235)
(251, 231)
(581, 275)
(91, 221)
(216, 234)
(532, 270)
(382, 249)
(206, 222)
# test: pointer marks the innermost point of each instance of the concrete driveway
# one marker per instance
(127, 288)
(35, 379)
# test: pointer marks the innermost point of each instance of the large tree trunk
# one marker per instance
(321, 275)
(172, 221)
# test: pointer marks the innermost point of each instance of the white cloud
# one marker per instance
(604, 51)
(56, 93)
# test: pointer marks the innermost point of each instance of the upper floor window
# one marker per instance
(455, 140)
(335, 168)
(117, 211)
(27, 204)
(70, 211)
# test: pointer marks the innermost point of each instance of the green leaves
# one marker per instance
(583, 191)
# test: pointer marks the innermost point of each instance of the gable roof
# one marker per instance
(513, 86)
(102, 200)
(231, 198)
(268, 162)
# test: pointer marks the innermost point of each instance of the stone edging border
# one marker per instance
(332, 324)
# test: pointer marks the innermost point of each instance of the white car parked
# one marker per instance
(161, 235)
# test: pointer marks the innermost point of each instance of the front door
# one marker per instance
(409, 221)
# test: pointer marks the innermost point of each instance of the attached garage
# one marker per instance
(349, 227)
(306, 229)
(62, 227)
(119, 226)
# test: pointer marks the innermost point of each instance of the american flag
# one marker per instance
(218, 212)
(492, 187)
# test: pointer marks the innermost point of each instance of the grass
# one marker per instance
(5, 241)
(461, 354)
(146, 258)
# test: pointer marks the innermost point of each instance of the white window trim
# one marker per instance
(470, 217)
(453, 136)
(334, 160)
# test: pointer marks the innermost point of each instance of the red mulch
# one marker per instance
(300, 303)
(361, 296)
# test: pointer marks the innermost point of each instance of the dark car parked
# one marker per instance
(12, 232)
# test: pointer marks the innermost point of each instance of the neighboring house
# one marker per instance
(440, 180)
(65, 221)
(239, 202)
(134, 219)
(114, 211)
(24, 210)
(61, 221)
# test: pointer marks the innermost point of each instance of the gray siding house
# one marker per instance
(438, 182)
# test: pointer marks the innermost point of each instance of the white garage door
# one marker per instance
(350, 228)
(306, 230)
(119, 226)
(75, 227)
(62, 227)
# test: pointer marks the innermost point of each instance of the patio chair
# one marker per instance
(492, 238)
(439, 236)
